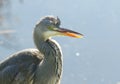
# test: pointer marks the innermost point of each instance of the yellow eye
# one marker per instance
(53, 28)
(50, 27)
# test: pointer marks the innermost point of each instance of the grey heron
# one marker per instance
(42, 65)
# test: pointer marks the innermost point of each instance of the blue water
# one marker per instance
(95, 59)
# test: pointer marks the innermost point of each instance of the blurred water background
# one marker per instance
(95, 59)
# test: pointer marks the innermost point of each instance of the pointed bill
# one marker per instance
(70, 33)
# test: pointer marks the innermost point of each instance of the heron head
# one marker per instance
(50, 26)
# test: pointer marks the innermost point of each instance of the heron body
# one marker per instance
(42, 65)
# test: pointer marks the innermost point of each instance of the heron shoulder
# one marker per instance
(24, 56)
(20, 67)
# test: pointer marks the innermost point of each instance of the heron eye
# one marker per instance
(50, 27)
(53, 28)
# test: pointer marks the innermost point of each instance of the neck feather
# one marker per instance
(52, 56)
(47, 47)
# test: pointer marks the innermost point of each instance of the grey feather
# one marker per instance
(20, 67)
(37, 66)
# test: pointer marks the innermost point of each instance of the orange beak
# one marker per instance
(70, 33)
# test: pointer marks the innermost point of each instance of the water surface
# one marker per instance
(94, 59)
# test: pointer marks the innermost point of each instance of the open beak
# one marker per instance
(67, 32)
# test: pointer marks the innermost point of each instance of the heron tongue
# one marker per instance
(70, 33)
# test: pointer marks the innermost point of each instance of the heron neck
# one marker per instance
(52, 58)
(48, 48)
